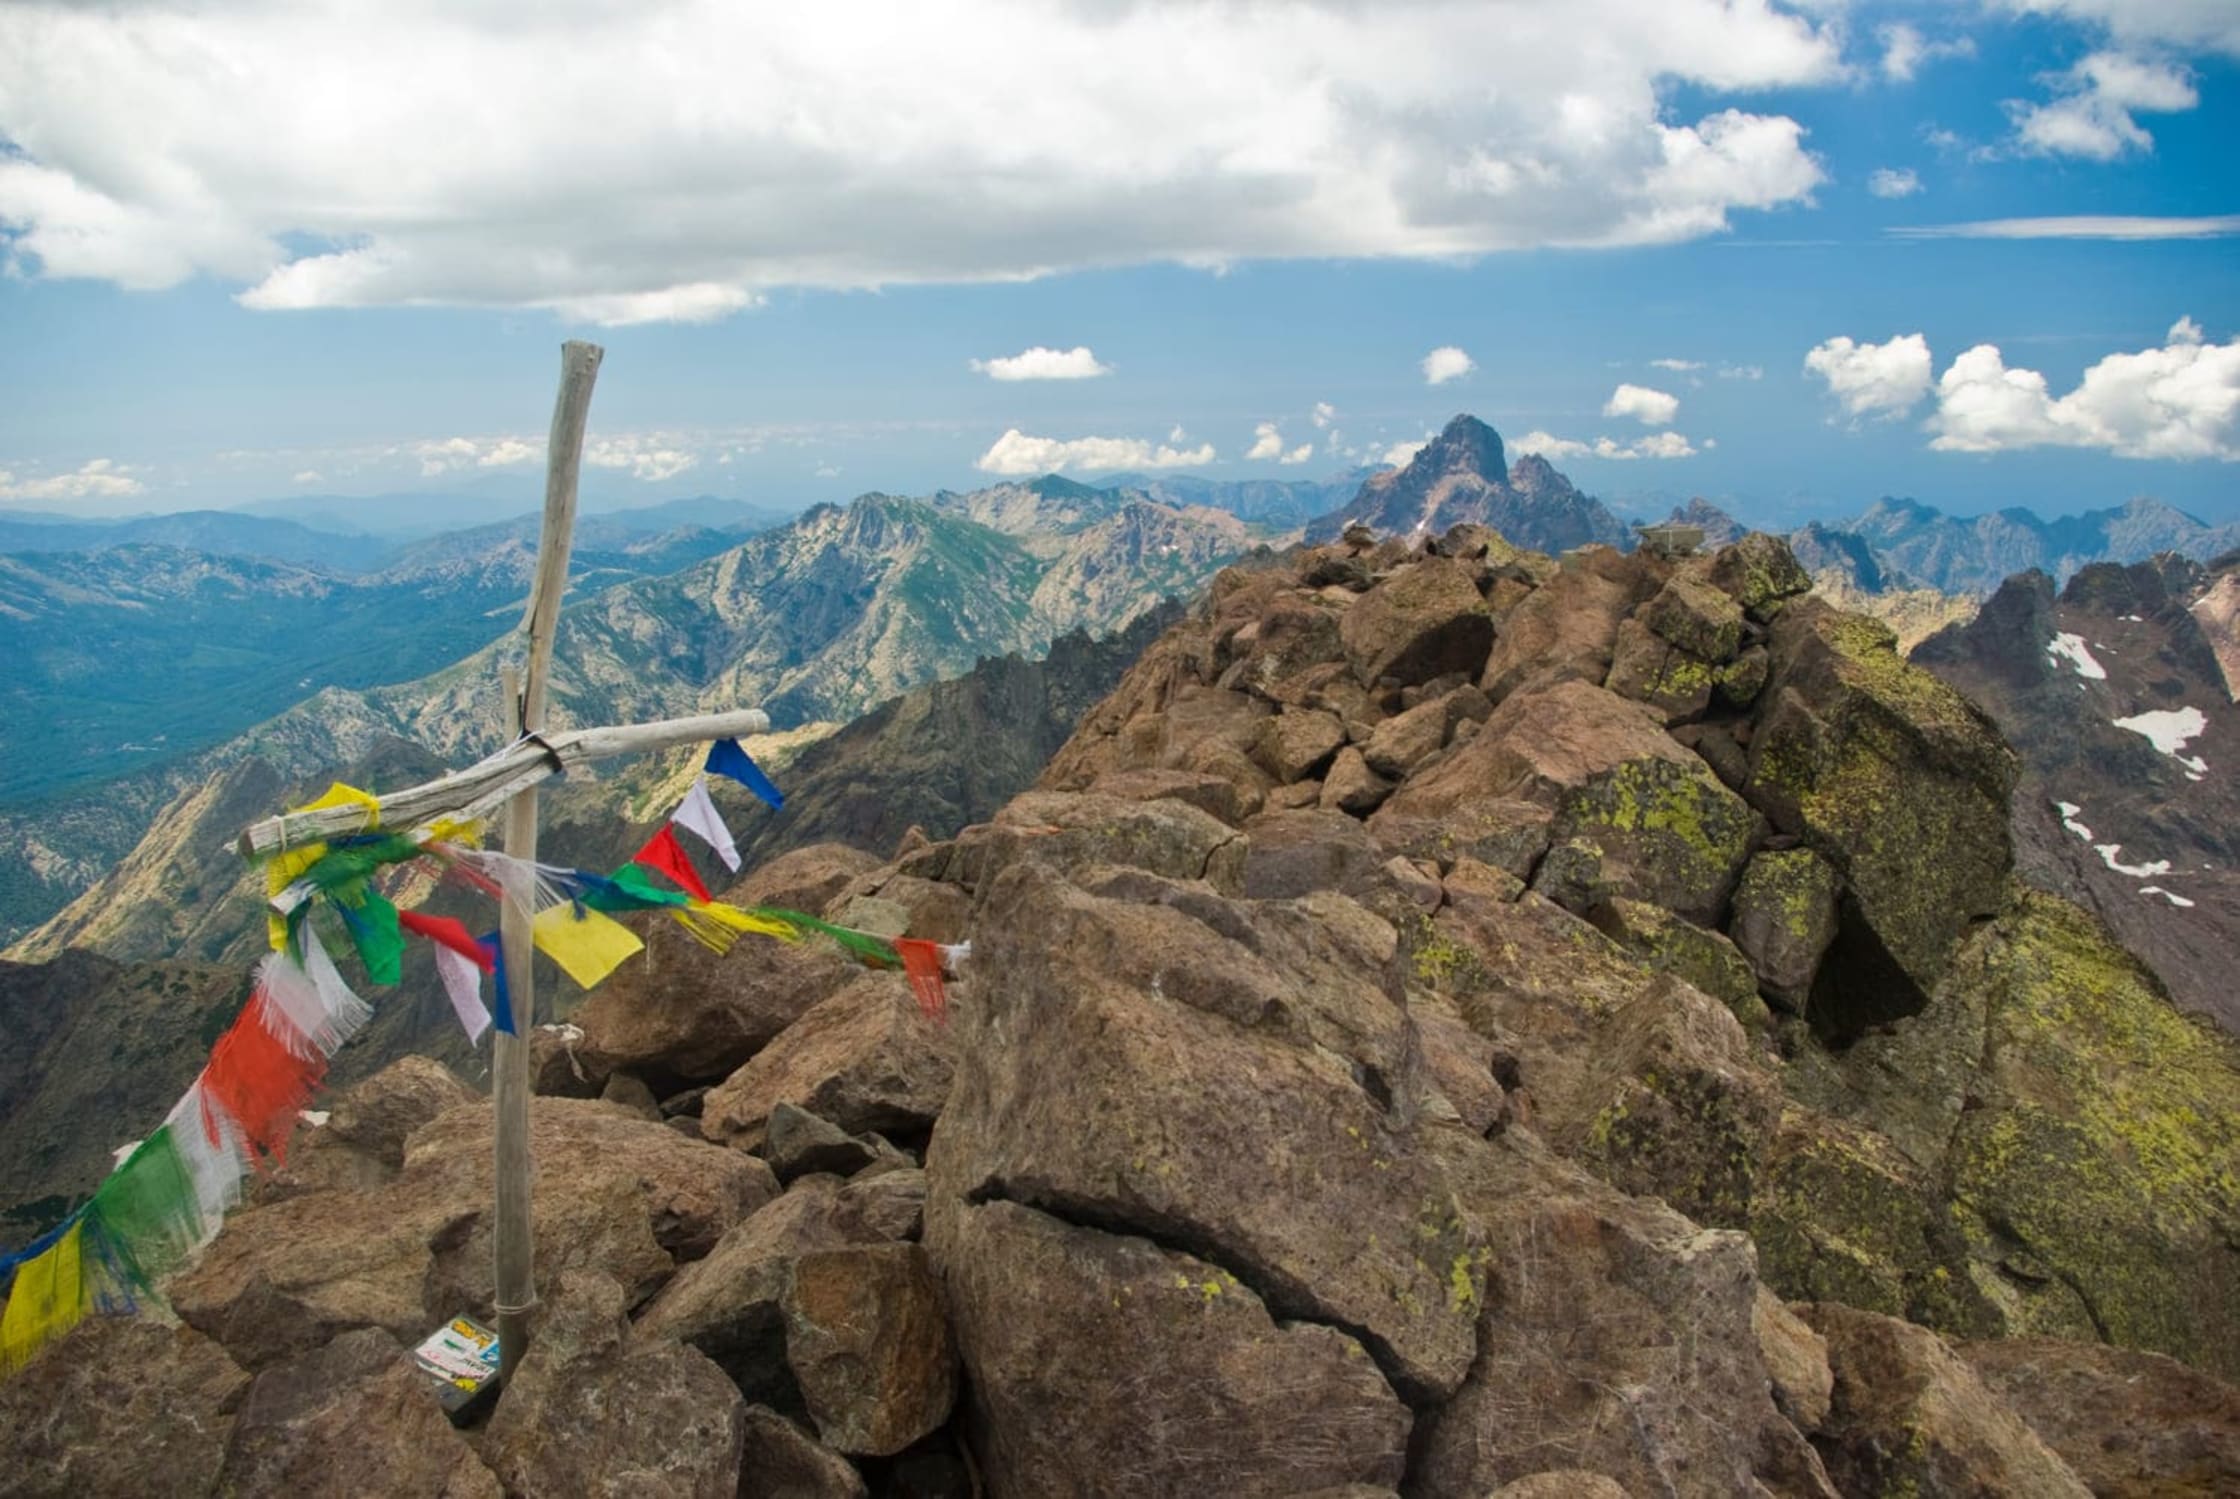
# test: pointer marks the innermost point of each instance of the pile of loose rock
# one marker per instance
(1453, 1022)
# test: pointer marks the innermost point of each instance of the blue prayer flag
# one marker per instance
(725, 758)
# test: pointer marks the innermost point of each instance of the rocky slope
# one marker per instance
(2118, 695)
(1451, 1023)
(1463, 475)
(817, 621)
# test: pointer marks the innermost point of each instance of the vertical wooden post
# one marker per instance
(509, 1063)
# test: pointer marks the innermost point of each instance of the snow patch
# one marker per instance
(2168, 729)
(2069, 811)
(2073, 649)
(2175, 900)
(2108, 852)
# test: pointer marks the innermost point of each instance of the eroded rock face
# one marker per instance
(867, 1338)
(2131, 1425)
(1207, 1135)
(353, 1417)
(119, 1406)
(597, 1409)
(1908, 1413)
(1074, 1338)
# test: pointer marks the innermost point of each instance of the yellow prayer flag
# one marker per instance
(283, 870)
(588, 945)
(51, 1296)
(339, 795)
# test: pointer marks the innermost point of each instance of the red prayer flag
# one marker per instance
(921, 960)
(259, 1082)
(447, 931)
(662, 852)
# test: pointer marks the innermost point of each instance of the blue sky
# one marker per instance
(245, 261)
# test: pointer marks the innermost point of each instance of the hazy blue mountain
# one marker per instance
(1279, 504)
(225, 533)
(1974, 554)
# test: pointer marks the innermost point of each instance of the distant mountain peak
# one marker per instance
(1463, 475)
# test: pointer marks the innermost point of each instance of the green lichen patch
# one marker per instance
(1669, 833)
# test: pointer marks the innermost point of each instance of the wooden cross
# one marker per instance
(510, 778)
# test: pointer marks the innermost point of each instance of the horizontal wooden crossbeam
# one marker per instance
(481, 787)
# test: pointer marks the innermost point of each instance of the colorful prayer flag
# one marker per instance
(726, 758)
(587, 945)
(663, 852)
(698, 812)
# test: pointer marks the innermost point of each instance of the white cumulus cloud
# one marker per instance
(1893, 182)
(1039, 363)
(2093, 113)
(339, 153)
(2179, 401)
(1267, 445)
(443, 455)
(97, 478)
(1651, 408)
(2194, 25)
(1446, 363)
(648, 459)
(1399, 454)
(1557, 449)
(1324, 413)
(1017, 453)
(1879, 380)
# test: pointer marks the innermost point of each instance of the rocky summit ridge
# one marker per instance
(1452, 1022)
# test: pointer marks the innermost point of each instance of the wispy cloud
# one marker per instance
(2079, 226)
(1893, 182)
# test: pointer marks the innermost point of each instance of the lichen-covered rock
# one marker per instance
(1910, 1417)
(596, 1409)
(119, 1406)
(1784, 919)
(1649, 669)
(1760, 573)
(354, 1417)
(1696, 616)
(1901, 784)
(2104, 1147)
(2132, 1425)
(1673, 1105)
(1739, 682)
(865, 1059)
(868, 1342)
(1667, 832)
(1841, 1215)
(1425, 620)
(1080, 1343)
(1688, 952)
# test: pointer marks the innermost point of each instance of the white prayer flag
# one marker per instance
(463, 982)
(698, 813)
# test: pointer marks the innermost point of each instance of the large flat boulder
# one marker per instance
(2132, 1425)
(1225, 1096)
(1425, 620)
(867, 1058)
